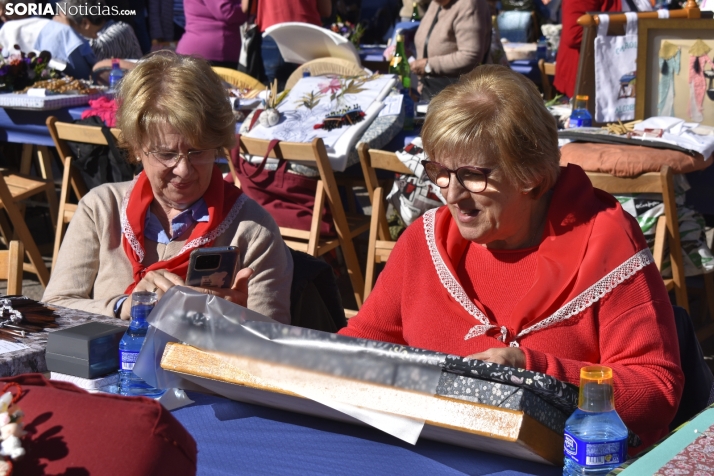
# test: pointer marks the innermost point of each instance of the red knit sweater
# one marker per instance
(510, 273)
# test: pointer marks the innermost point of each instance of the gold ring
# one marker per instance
(155, 288)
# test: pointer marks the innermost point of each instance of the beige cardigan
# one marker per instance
(460, 38)
(92, 270)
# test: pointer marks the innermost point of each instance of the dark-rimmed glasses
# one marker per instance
(473, 179)
(194, 157)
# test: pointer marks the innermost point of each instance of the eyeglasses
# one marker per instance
(195, 157)
(473, 179)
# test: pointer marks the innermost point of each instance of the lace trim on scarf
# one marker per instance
(219, 230)
(577, 305)
(126, 228)
(448, 280)
(593, 294)
(195, 243)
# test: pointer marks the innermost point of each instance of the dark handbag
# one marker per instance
(100, 164)
(250, 60)
(289, 198)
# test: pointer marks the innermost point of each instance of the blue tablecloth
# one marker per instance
(28, 127)
(239, 438)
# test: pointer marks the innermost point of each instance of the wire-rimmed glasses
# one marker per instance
(195, 157)
(473, 179)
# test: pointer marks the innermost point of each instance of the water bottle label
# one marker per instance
(127, 359)
(580, 122)
(595, 453)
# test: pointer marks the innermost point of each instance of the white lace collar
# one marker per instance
(574, 307)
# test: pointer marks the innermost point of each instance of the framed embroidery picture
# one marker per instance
(675, 69)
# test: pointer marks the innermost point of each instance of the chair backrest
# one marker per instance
(546, 70)
(323, 66)
(667, 227)
(378, 250)
(61, 132)
(312, 154)
(372, 159)
(11, 266)
(238, 79)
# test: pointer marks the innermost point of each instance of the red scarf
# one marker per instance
(220, 197)
(587, 235)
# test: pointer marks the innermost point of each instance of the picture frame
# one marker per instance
(674, 86)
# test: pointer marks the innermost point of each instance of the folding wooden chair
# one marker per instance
(14, 188)
(380, 244)
(347, 227)
(546, 71)
(11, 267)
(62, 132)
(666, 231)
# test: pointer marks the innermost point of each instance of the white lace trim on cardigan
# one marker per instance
(577, 305)
(195, 243)
(447, 279)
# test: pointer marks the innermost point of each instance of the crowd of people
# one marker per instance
(510, 271)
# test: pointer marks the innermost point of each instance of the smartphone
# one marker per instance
(212, 267)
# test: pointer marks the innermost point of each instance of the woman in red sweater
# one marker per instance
(528, 265)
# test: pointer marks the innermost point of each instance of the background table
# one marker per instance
(28, 126)
(239, 438)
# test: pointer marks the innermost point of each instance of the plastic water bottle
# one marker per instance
(408, 110)
(542, 49)
(595, 436)
(129, 383)
(115, 75)
(581, 117)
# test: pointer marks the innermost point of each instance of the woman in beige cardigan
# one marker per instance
(137, 236)
(452, 39)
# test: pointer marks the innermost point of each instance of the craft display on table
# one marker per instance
(680, 52)
(20, 316)
(615, 71)
(311, 102)
(29, 81)
(698, 60)
(404, 391)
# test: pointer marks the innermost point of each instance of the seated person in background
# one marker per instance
(60, 40)
(527, 265)
(137, 236)
(452, 39)
(108, 38)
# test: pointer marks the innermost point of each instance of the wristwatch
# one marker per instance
(427, 68)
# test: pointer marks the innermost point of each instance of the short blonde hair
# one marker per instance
(182, 91)
(498, 113)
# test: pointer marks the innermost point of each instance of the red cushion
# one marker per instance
(74, 432)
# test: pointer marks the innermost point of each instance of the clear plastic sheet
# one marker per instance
(213, 324)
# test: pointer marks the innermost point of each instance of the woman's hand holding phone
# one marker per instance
(160, 281)
(237, 293)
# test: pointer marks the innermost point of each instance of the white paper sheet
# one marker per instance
(392, 105)
(7, 347)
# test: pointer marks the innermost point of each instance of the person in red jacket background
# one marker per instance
(527, 265)
(568, 57)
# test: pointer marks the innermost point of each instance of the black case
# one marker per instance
(88, 351)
